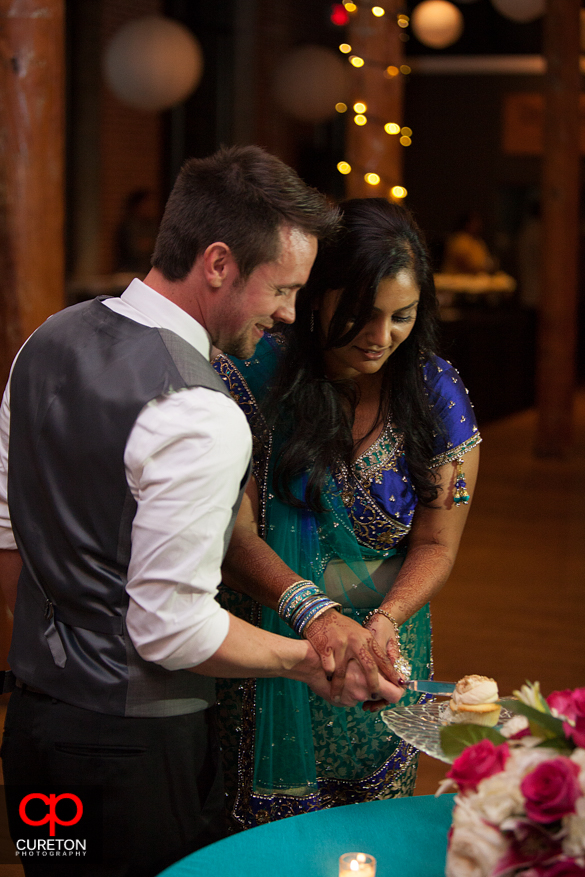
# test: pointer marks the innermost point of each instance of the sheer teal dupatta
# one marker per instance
(285, 756)
(299, 737)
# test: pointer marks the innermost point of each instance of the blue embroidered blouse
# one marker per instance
(378, 492)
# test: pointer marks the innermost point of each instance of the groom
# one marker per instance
(122, 464)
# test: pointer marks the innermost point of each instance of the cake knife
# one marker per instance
(430, 686)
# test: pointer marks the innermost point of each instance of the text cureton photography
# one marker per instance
(50, 823)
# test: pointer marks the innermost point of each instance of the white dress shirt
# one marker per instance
(185, 458)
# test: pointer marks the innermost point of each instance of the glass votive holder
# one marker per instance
(357, 865)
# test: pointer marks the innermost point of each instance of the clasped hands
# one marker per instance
(357, 661)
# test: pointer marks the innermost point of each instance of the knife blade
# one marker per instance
(430, 686)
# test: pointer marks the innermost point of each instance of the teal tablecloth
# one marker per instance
(408, 837)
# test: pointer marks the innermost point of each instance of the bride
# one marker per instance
(353, 519)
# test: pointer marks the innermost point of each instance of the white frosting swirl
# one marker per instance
(475, 689)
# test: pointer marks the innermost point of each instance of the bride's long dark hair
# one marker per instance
(378, 240)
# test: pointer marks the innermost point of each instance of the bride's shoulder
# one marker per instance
(439, 373)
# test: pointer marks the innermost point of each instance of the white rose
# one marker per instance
(475, 847)
(465, 811)
(498, 797)
(574, 841)
(522, 760)
(513, 726)
(578, 756)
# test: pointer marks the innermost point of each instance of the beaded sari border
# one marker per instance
(261, 435)
(393, 778)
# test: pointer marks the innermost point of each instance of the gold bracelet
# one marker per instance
(387, 615)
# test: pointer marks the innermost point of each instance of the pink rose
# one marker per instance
(551, 790)
(530, 845)
(570, 705)
(477, 762)
(577, 733)
(579, 701)
(562, 702)
(564, 868)
(567, 703)
(560, 868)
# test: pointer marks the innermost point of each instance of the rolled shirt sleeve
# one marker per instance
(6, 535)
(185, 459)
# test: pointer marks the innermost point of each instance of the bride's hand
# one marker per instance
(385, 635)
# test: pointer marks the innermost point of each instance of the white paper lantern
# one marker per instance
(437, 23)
(520, 10)
(309, 81)
(153, 63)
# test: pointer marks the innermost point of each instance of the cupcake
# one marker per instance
(474, 701)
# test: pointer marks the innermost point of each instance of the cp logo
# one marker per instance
(51, 816)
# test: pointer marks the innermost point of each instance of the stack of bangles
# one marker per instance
(302, 603)
(401, 665)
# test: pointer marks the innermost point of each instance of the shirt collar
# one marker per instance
(166, 315)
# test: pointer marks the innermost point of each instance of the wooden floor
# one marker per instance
(514, 607)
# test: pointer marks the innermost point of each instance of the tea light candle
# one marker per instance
(357, 865)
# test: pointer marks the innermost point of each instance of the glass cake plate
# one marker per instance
(420, 725)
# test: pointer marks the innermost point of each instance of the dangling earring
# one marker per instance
(312, 323)
(460, 496)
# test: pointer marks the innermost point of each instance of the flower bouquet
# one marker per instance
(520, 807)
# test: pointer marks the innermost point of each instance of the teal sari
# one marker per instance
(286, 750)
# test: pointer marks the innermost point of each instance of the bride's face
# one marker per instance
(392, 320)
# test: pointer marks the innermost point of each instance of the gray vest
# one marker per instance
(76, 390)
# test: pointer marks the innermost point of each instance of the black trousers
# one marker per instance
(160, 780)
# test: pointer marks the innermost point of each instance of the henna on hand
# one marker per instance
(316, 633)
(385, 639)
(337, 640)
(365, 657)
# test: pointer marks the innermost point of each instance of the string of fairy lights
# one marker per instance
(360, 109)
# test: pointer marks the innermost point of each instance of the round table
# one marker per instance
(408, 837)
